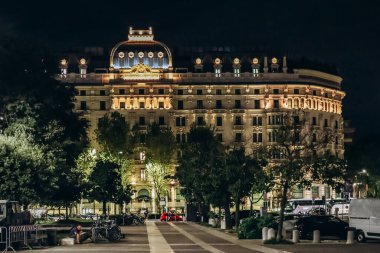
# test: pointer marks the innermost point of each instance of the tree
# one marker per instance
(159, 157)
(298, 159)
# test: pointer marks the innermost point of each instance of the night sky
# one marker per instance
(345, 34)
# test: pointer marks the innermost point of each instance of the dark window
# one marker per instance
(141, 91)
(257, 121)
(314, 121)
(122, 105)
(183, 121)
(326, 123)
(218, 104)
(238, 120)
(102, 92)
(218, 92)
(161, 121)
(142, 105)
(160, 104)
(237, 104)
(178, 138)
(260, 137)
(314, 92)
(199, 104)
(237, 91)
(219, 137)
(83, 105)
(296, 120)
(326, 95)
(180, 104)
(257, 137)
(142, 138)
(276, 104)
(314, 138)
(200, 121)
(297, 136)
(278, 120)
(256, 91)
(219, 121)
(199, 92)
(296, 91)
(238, 137)
(257, 104)
(121, 91)
(161, 91)
(82, 93)
(142, 121)
(102, 105)
(336, 124)
(180, 92)
(178, 121)
(276, 91)
(336, 140)
(183, 137)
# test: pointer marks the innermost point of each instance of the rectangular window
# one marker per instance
(161, 91)
(180, 92)
(237, 92)
(218, 104)
(83, 105)
(183, 121)
(102, 92)
(161, 105)
(199, 92)
(141, 91)
(161, 121)
(142, 105)
(82, 93)
(296, 91)
(142, 121)
(178, 138)
(257, 121)
(199, 104)
(238, 137)
(218, 92)
(142, 174)
(217, 72)
(257, 137)
(326, 123)
(238, 121)
(180, 104)
(336, 124)
(102, 105)
(276, 91)
(237, 104)
(254, 137)
(278, 120)
(276, 104)
(219, 137)
(177, 121)
(200, 121)
(296, 120)
(314, 92)
(315, 192)
(257, 104)
(256, 91)
(314, 121)
(255, 72)
(236, 72)
(121, 91)
(219, 121)
(122, 105)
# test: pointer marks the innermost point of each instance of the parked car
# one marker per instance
(364, 216)
(168, 216)
(289, 221)
(317, 211)
(244, 214)
(326, 224)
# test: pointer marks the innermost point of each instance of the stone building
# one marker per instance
(242, 96)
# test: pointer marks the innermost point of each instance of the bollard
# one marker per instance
(265, 233)
(296, 236)
(316, 236)
(271, 234)
(337, 212)
(350, 236)
(283, 233)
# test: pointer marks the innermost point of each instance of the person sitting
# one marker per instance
(78, 235)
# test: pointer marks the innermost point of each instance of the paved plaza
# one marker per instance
(162, 237)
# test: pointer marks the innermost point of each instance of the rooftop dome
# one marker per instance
(140, 49)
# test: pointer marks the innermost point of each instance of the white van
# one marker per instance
(364, 215)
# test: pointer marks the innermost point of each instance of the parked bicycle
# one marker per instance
(138, 219)
(103, 230)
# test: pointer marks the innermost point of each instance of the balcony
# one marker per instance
(200, 111)
(238, 127)
(219, 110)
(237, 111)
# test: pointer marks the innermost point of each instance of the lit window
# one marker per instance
(236, 72)
(217, 72)
(83, 73)
(142, 174)
(255, 72)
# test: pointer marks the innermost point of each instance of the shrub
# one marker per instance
(251, 227)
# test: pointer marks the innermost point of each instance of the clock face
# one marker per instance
(141, 54)
(150, 54)
(121, 55)
(198, 61)
(255, 61)
(217, 61)
(236, 61)
(160, 54)
(274, 60)
(63, 62)
(131, 54)
(82, 61)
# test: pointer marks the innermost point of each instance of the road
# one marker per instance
(162, 237)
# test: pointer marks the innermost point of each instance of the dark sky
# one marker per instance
(345, 33)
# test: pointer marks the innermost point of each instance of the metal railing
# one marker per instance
(24, 234)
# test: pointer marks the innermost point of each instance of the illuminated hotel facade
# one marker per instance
(244, 98)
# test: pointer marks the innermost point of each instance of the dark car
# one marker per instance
(167, 216)
(244, 214)
(327, 225)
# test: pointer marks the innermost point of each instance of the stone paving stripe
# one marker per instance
(196, 240)
(157, 242)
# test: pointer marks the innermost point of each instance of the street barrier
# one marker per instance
(4, 237)
(23, 235)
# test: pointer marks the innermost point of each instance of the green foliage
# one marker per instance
(251, 228)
